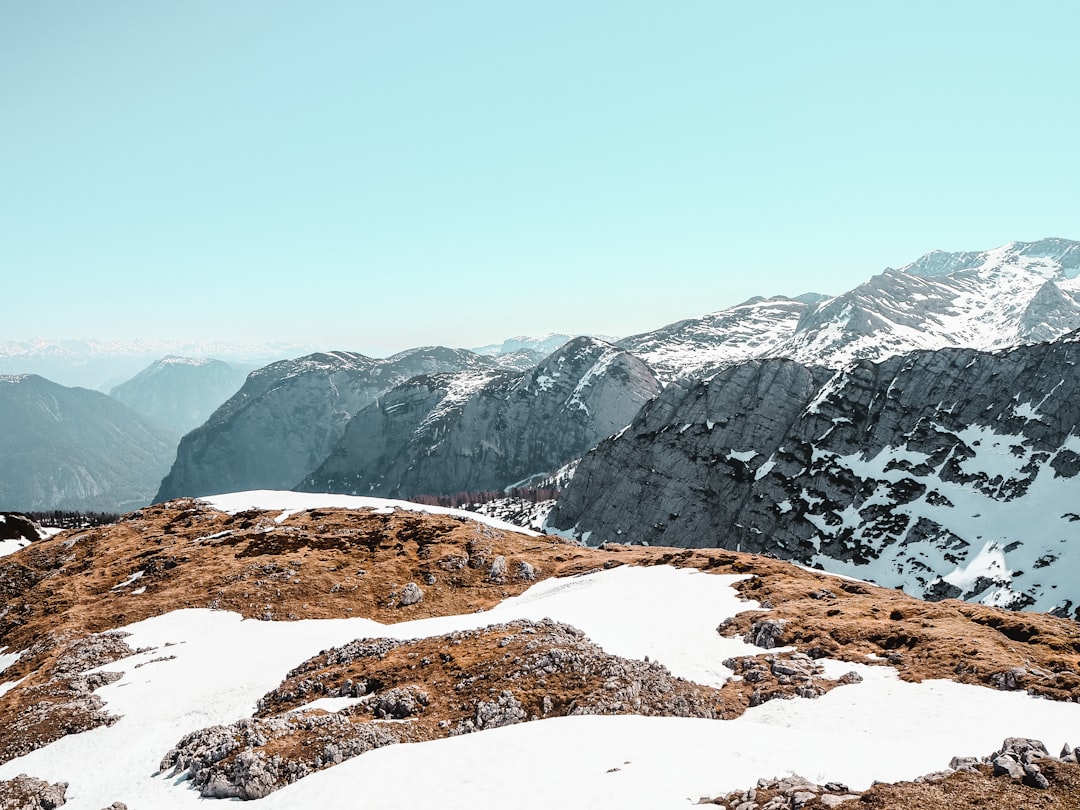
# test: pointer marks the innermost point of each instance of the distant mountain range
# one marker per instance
(1020, 293)
(435, 421)
(180, 393)
(288, 416)
(102, 365)
(74, 448)
(486, 429)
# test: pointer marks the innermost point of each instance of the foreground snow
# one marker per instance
(879, 729)
(292, 502)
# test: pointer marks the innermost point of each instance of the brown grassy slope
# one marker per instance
(331, 563)
(974, 789)
(837, 618)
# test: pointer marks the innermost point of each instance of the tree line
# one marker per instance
(464, 499)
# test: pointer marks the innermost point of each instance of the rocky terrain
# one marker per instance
(74, 603)
(486, 430)
(1019, 772)
(180, 393)
(72, 448)
(947, 473)
(289, 415)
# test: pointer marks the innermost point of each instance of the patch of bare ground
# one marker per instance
(27, 793)
(408, 691)
(1012, 778)
(56, 697)
(831, 617)
(330, 563)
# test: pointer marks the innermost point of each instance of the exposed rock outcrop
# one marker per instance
(947, 473)
(471, 681)
(27, 793)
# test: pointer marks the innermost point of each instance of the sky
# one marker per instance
(373, 176)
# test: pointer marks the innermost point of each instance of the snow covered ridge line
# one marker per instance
(291, 502)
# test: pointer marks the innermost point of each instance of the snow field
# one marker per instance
(881, 728)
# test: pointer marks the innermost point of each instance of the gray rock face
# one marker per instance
(27, 793)
(289, 415)
(71, 448)
(486, 430)
(180, 393)
(947, 473)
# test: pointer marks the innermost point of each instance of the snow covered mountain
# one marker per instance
(487, 429)
(760, 327)
(180, 393)
(304, 650)
(71, 448)
(1020, 293)
(289, 415)
(947, 473)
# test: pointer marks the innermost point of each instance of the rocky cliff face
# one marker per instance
(488, 429)
(289, 415)
(72, 448)
(180, 393)
(947, 473)
(1020, 293)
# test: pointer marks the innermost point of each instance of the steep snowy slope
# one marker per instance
(698, 346)
(1019, 293)
(947, 473)
(1022, 292)
(486, 430)
(16, 532)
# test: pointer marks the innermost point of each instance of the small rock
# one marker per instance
(836, 799)
(963, 763)
(411, 594)
(766, 633)
(1034, 777)
(1005, 765)
(802, 797)
(498, 570)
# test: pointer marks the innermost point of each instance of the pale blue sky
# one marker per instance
(373, 176)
